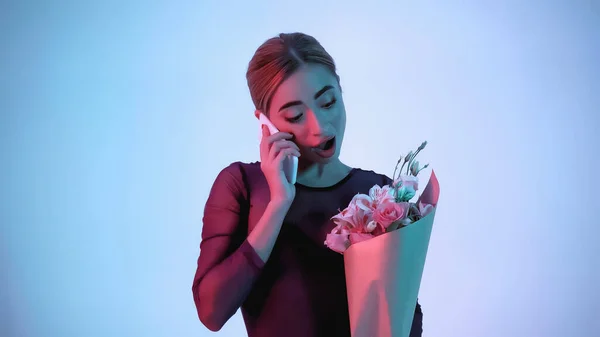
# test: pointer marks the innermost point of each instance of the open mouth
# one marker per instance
(325, 146)
(326, 149)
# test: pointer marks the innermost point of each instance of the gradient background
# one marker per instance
(116, 118)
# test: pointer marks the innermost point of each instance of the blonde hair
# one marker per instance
(278, 58)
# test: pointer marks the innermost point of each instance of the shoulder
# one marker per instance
(237, 176)
(240, 170)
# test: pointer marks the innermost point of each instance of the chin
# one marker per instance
(315, 158)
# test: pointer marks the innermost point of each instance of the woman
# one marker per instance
(262, 246)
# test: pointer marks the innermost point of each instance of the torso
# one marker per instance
(301, 290)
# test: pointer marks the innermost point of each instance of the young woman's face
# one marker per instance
(309, 105)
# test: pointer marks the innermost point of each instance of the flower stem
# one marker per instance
(394, 176)
(411, 160)
(406, 159)
(422, 168)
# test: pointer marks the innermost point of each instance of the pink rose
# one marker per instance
(390, 212)
(381, 194)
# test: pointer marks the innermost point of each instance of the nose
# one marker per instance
(318, 124)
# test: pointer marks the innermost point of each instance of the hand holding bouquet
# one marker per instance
(384, 238)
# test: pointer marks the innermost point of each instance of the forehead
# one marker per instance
(303, 84)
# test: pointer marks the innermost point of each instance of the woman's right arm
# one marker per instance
(227, 269)
(230, 262)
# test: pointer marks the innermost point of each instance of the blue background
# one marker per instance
(117, 116)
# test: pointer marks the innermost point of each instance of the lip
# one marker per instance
(326, 153)
(325, 140)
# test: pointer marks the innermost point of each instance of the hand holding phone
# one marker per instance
(290, 162)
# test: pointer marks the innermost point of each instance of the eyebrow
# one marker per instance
(317, 95)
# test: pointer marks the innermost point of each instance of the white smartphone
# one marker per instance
(290, 164)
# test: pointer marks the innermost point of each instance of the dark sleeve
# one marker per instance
(417, 324)
(386, 180)
(227, 265)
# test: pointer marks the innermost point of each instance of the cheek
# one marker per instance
(301, 138)
(340, 122)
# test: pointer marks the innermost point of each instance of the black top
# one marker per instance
(301, 289)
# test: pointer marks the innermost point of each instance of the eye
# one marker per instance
(328, 105)
(295, 119)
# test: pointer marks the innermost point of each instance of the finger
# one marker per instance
(279, 146)
(283, 154)
(270, 139)
(288, 152)
(265, 143)
(293, 145)
(279, 136)
(274, 150)
(288, 143)
(264, 146)
(264, 152)
(295, 152)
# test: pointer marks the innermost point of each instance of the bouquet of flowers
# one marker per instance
(384, 239)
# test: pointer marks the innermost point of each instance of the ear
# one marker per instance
(256, 113)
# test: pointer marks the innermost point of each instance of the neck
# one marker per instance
(318, 175)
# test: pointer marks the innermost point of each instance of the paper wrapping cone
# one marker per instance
(383, 276)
